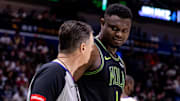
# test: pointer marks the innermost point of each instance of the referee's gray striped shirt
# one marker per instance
(54, 82)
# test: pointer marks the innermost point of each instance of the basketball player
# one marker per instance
(128, 89)
(55, 80)
(105, 79)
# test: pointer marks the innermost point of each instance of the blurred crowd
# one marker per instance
(21, 14)
(157, 77)
(18, 62)
(153, 42)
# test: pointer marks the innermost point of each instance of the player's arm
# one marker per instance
(95, 61)
(93, 64)
(47, 86)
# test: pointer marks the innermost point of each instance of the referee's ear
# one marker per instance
(83, 48)
(102, 21)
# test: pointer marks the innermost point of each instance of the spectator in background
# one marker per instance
(18, 40)
(19, 95)
(7, 11)
(154, 39)
(5, 39)
(128, 89)
(165, 44)
(44, 16)
(31, 16)
(20, 13)
(177, 87)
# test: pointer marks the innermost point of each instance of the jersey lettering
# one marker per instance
(116, 77)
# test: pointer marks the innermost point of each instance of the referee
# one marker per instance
(55, 81)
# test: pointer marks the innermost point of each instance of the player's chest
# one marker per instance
(114, 73)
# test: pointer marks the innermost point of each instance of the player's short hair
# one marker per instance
(119, 10)
(71, 34)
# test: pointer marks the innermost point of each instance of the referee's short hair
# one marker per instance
(71, 34)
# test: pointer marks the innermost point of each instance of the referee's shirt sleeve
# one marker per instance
(48, 84)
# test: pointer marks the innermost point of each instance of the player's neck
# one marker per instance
(112, 50)
(69, 62)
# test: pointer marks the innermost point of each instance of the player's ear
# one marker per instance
(83, 47)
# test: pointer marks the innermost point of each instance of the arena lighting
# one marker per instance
(104, 5)
(54, 0)
(123, 3)
(178, 16)
(173, 16)
(105, 2)
(156, 13)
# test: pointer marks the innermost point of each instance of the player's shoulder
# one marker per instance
(95, 59)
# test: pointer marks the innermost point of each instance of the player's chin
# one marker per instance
(117, 45)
